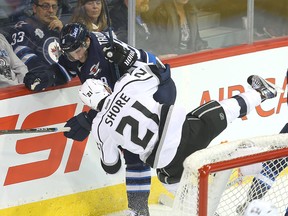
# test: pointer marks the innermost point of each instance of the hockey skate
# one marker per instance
(241, 209)
(131, 212)
(265, 88)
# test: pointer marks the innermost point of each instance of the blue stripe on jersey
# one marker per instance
(24, 53)
(25, 59)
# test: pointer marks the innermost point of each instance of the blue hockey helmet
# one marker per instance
(72, 36)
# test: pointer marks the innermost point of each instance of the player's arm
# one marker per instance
(111, 168)
(121, 55)
(41, 77)
(110, 155)
(129, 58)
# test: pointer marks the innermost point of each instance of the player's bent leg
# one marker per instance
(138, 184)
(240, 105)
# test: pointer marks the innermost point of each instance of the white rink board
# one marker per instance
(89, 176)
(191, 82)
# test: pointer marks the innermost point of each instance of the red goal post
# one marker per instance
(217, 180)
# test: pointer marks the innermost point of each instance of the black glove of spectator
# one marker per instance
(80, 125)
(120, 55)
(38, 81)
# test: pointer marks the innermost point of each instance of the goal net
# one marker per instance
(223, 179)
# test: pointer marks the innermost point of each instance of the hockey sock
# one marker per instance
(240, 105)
(271, 169)
(138, 183)
(263, 182)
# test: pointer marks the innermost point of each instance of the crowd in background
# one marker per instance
(31, 34)
(166, 28)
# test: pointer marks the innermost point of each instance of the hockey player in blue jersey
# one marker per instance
(90, 55)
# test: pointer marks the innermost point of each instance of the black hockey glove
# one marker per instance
(80, 125)
(120, 55)
(38, 81)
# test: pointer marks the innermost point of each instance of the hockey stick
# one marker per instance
(35, 130)
(111, 39)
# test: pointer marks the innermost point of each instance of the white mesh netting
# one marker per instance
(230, 191)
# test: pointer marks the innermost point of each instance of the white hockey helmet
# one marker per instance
(93, 91)
(261, 208)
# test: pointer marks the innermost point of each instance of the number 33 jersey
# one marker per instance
(132, 119)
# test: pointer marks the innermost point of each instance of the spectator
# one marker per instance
(176, 27)
(92, 14)
(15, 9)
(35, 42)
(119, 18)
(271, 18)
(12, 70)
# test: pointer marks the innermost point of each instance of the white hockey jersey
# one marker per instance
(132, 119)
(12, 69)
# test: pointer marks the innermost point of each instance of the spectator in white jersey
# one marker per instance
(163, 135)
(12, 69)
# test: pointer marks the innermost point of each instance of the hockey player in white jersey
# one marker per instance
(163, 135)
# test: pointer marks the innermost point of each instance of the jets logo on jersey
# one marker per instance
(51, 50)
(94, 70)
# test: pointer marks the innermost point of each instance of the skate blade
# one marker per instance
(277, 88)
